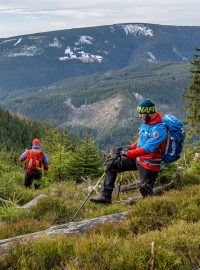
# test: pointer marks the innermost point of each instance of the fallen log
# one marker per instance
(160, 190)
(33, 202)
(156, 191)
(130, 186)
(4, 201)
(134, 186)
(65, 229)
(27, 205)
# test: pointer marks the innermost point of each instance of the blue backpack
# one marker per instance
(175, 139)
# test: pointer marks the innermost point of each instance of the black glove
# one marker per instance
(124, 153)
(121, 152)
(118, 151)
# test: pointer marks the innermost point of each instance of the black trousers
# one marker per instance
(29, 177)
(121, 164)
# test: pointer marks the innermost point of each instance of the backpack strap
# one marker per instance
(166, 146)
(152, 162)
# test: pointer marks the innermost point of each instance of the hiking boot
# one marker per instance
(101, 199)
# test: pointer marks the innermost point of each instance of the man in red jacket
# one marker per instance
(145, 155)
(35, 158)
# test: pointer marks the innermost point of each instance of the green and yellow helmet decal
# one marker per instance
(151, 109)
(146, 106)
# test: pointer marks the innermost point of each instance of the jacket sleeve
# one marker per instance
(157, 135)
(136, 153)
(23, 156)
(134, 145)
(45, 162)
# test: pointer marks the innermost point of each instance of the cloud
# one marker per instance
(25, 6)
(21, 16)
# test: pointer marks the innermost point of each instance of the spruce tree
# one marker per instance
(86, 161)
(55, 144)
(59, 162)
(193, 96)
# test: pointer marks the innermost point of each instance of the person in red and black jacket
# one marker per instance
(144, 155)
(35, 158)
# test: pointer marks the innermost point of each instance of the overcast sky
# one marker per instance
(19, 17)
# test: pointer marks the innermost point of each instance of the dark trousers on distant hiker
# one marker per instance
(30, 177)
(122, 164)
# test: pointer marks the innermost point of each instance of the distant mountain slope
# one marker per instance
(105, 104)
(40, 59)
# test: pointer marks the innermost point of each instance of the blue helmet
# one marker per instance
(146, 106)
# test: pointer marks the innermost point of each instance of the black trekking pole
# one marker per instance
(93, 188)
(119, 188)
(116, 157)
(119, 181)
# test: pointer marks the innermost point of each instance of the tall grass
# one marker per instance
(20, 227)
(176, 247)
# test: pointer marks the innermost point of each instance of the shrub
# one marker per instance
(53, 210)
(158, 212)
(189, 177)
(42, 254)
(12, 214)
(167, 173)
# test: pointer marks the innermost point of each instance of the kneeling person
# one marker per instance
(145, 155)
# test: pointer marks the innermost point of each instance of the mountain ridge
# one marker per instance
(39, 59)
(103, 25)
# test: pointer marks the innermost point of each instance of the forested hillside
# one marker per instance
(83, 103)
(17, 132)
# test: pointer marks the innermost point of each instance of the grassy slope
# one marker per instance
(171, 221)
